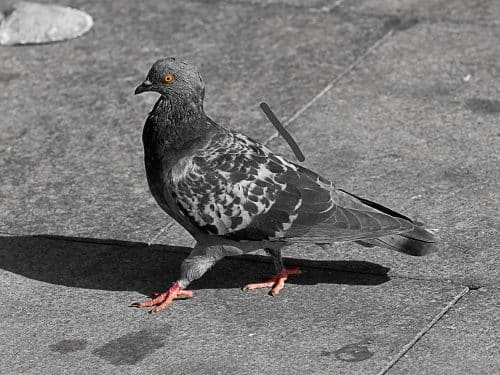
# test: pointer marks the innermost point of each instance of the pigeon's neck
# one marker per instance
(178, 122)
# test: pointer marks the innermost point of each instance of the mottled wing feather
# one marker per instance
(348, 219)
(238, 189)
(229, 183)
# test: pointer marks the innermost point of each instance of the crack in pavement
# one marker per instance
(423, 331)
(332, 83)
(160, 232)
(264, 5)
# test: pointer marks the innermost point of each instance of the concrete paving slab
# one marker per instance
(464, 341)
(414, 128)
(71, 129)
(64, 309)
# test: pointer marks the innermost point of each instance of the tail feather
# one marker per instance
(418, 242)
(419, 233)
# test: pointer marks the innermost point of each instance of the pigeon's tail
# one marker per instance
(418, 242)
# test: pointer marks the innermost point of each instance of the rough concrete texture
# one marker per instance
(477, 12)
(65, 306)
(410, 119)
(464, 342)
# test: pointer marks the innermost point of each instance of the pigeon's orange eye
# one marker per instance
(168, 78)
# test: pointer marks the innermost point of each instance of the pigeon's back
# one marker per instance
(238, 189)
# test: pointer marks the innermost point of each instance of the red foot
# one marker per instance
(162, 300)
(275, 282)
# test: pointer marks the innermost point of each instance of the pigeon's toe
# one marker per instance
(275, 282)
(162, 300)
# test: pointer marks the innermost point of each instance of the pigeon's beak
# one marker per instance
(147, 85)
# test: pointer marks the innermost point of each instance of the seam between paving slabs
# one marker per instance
(160, 232)
(333, 82)
(427, 19)
(423, 331)
(264, 5)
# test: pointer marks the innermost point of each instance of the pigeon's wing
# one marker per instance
(349, 219)
(239, 189)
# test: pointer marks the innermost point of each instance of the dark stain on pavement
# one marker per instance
(485, 106)
(68, 346)
(459, 176)
(355, 352)
(400, 24)
(7, 77)
(133, 347)
(393, 156)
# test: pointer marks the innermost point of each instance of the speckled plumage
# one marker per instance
(234, 195)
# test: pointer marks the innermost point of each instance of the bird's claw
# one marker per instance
(276, 282)
(162, 300)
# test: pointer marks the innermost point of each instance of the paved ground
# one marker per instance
(397, 101)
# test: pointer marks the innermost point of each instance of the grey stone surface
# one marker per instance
(406, 129)
(465, 341)
(485, 12)
(413, 127)
(311, 5)
(403, 12)
(64, 309)
(71, 152)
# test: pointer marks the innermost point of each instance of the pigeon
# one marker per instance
(234, 195)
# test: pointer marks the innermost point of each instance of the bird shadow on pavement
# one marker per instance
(120, 265)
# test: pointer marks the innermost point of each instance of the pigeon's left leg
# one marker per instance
(192, 268)
(277, 281)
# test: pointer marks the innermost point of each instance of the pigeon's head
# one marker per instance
(174, 77)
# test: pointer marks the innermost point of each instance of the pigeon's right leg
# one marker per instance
(277, 281)
(192, 268)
